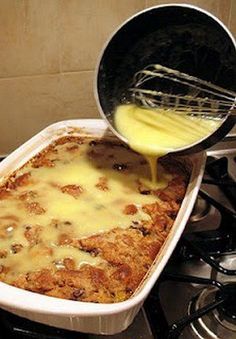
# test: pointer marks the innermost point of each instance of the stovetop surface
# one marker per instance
(170, 299)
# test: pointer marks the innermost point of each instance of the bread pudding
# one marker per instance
(79, 221)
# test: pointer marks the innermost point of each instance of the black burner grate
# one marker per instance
(206, 245)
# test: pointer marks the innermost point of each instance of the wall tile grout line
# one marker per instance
(45, 74)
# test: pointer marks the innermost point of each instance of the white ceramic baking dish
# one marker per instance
(81, 316)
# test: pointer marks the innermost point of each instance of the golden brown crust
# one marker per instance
(34, 208)
(102, 184)
(32, 234)
(74, 190)
(126, 254)
(130, 209)
(4, 193)
(17, 181)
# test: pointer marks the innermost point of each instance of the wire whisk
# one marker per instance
(158, 87)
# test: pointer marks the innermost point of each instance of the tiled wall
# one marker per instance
(48, 51)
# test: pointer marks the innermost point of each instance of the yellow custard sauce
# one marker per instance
(78, 222)
(72, 191)
(155, 133)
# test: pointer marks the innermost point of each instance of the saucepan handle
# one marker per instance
(234, 117)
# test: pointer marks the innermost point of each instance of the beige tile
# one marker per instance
(77, 94)
(27, 105)
(220, 8)
(29, 37)
(224, 10)
(232, 21)
(31, 103)
(86, 25)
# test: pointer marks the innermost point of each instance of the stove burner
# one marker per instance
(213, 324)
(201, 209)
(228, 307)
(212, 311)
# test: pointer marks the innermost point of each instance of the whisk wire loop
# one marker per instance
(194, 96)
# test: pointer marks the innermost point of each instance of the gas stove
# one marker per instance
(195, 297)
